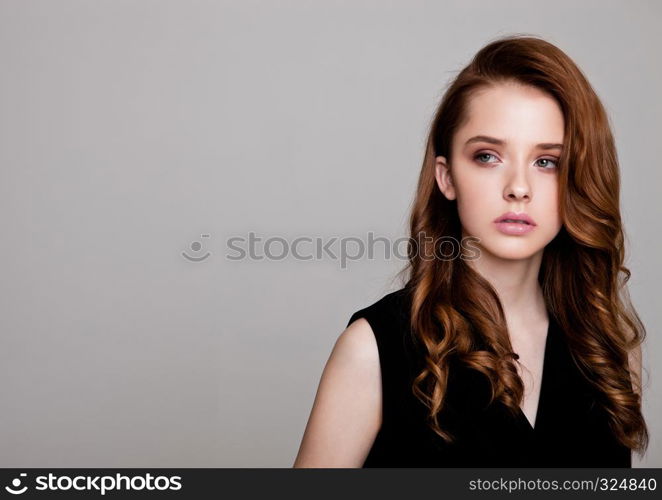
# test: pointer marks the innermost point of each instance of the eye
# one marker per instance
(482, 155)
(548, 160)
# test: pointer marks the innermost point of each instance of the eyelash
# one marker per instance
(555, 162)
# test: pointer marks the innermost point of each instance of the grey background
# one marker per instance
(130, 128)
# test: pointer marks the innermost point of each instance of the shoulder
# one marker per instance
(385, 324)
(347, 410)
(367, 336)
(391, 309)
(357, 345)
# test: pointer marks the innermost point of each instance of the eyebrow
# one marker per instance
(500, 142)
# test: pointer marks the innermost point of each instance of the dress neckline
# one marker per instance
(544, 382)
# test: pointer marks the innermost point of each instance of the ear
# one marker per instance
(444, 179)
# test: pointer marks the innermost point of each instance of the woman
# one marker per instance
(525, 350)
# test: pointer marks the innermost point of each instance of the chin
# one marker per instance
(516, 249)
(515, 254)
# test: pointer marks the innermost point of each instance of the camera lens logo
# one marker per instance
(196, 246)
(16, 483)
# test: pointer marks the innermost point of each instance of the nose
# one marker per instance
(517, 185)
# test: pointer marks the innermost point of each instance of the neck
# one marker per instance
(516, 284)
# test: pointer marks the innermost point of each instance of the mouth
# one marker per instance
(519, 221)
(514, 218)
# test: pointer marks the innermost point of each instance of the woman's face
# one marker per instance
(504, 158)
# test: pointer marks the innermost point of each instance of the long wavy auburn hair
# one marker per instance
(582, 275)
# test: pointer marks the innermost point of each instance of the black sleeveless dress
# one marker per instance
(570, 429)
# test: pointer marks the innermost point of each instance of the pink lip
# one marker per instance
(515, 228)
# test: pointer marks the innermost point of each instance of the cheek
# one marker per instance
(549, 200)
(547, 210)
(474, 200)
